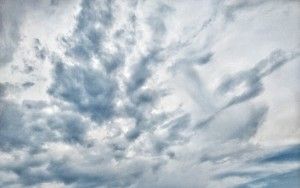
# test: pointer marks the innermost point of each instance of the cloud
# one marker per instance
(147, 94)
(40, 51)
(141, 71)
(89, 34)
(247, 84)
(27, 85)
(13, 133)
(11, 14)
(71, 127)
(3, 90)
(289, 179)
(290, 154)
(88, 90)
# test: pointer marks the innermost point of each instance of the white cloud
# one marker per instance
(149, 93)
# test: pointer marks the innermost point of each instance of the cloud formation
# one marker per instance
(149, 94)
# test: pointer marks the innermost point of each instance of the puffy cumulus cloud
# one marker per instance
(149, 94)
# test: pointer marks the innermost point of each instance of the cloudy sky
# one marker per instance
(149, 93)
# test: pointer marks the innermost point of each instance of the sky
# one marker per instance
(149, 93)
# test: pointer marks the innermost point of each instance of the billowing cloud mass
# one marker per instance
(144, 94)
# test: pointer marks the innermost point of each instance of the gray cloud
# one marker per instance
(88, 39)
(40, 51)
(221, 126)
(13, 133)
(289, 154)
(70, 126)
(105, 121)
(247, 85)
(290, 179)
(27, 85)
(141, 71)
(11, 13)
(3, 90)
(87, 89)
(251, 80)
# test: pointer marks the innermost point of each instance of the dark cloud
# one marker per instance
(133, 134)
(204, 59)
(20, 129)
(287, 155)
(70, 126)
(140, 99)
(88, 90)
(40, 51)
(33, 104)
(91, 177)
(54, 2)
(141, 71)
(13, 133)
(248, 81)
(28, 69)
(27, 85)
(198, 59)
(94, 19)
(146, 97)
(33, 171)
(28, 175)
(113, 61)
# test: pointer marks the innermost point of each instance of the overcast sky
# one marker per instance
(149, 93)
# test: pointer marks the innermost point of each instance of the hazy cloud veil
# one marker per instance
(149, 93)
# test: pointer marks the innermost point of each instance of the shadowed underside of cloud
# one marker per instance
(134, 98)
(86, 89)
